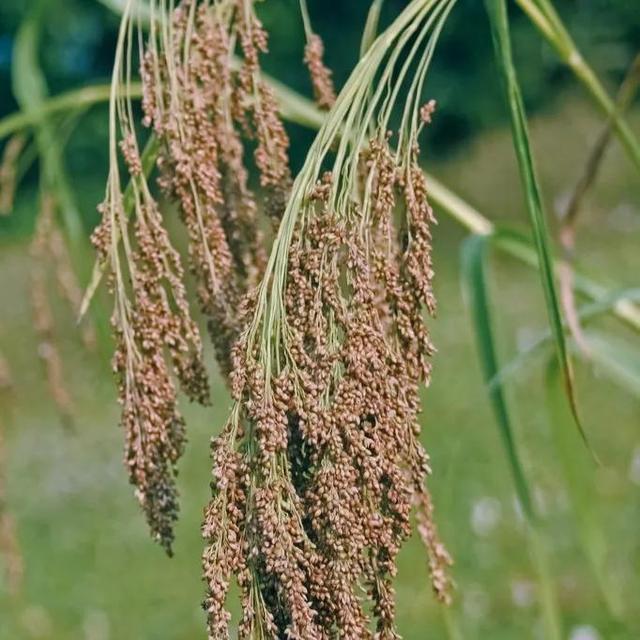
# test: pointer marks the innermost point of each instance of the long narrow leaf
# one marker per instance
(580, 484)
(30, 89)
(500, 32)
(475, 287)
(543, 15)
(474, 284)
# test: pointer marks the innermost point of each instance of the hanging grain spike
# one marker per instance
(319, 466)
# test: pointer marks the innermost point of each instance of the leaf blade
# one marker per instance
(474, 284)
(30, 90)
(502, 44)
(580, 482)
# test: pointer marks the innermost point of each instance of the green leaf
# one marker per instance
(30, 90)
(475, 287)
(581, 487)
(500, 32)
(586, 313)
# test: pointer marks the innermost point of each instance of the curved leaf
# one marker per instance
(30, 89)
(580, 483)
(475, 287)
(500, 32)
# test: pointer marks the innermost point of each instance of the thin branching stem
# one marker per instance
(545, 18)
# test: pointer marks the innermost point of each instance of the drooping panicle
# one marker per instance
(324, 344)
(324, 433)
(200, 108)
(158, 346)
(43, 258)
(321, 77)
(157, 342)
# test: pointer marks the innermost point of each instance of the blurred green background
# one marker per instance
(90, 571)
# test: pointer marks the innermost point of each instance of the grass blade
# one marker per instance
(30, 89)
(545, 18)
(500, 32)
(474, 283)
(580, 484)
(585, 313)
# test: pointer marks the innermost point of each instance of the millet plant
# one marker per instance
(316, 289)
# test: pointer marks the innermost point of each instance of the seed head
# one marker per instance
(323, 89)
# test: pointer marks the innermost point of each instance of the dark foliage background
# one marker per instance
(79, 39)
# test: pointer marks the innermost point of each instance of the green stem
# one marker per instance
(302, 111)
(547, 21)
(547, 593)
(85, 97)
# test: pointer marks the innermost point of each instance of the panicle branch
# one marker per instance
(47, 247)
(320, 463)
(201, 110)
(323, 343)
